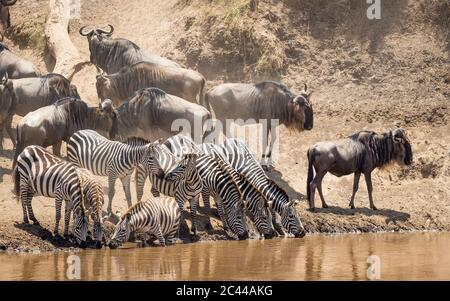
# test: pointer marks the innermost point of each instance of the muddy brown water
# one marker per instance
(417, 256)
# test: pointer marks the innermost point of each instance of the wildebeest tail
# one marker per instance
(310, 155)
(19, 147)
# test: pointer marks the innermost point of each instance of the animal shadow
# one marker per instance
(391, 215)
(44, 234)
(277, 177)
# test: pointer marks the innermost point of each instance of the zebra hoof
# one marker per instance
(36, 223)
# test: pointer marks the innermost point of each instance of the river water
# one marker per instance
(416, 256)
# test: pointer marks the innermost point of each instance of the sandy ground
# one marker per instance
(405, 82)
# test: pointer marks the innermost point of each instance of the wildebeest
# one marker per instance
(57, 122)
(264, 101)
(13, 65)
(111, 55)
(153, 114)
(359, 153)
(120, 86)
(5, 18)
(24, 95)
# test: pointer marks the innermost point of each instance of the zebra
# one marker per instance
(240, 157)
(93, 202)
(256, 202)
(38, 172)
(158, 217)
(185, 183)
(218, 182)
(103, 157)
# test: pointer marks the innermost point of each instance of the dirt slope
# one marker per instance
(364, 74)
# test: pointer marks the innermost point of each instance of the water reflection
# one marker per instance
(403, 256)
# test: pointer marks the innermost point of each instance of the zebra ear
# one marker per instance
(269, 204)
(293, 202)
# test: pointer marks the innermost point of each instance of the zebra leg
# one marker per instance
(30, 209)
(159, 235)
(194, 205)
(221, 213)
(126, 188)
(183, 223)
(207, 206)
(58, 204)
(140, 176)
(24, 199)
(111, 190)
(68, 210)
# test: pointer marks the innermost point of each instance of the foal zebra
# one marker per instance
(158, 217)
(103, 157)
(245, 163)
(38, 172)
(256, 203)
(218, 182)
(93, 201)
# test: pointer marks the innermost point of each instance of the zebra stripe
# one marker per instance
(256, 203)
(158, 217)
(218, 182)
(103, 157)
(38, 172)
(245, 163)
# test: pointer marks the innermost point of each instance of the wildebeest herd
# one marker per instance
(131, 130)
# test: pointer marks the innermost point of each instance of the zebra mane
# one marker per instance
(226, 167)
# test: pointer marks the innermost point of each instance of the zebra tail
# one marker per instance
(310, 155)
(16, 176)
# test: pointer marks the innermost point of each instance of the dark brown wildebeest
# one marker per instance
(153, 114)
(24, 95)
(111, 55)
(57, 122)
(359, 153)
(120, 86)
(13, 65)
(264, 101)
(5, 18)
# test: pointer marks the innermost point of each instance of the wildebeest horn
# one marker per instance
(81, 31)
(305, 87)
(111, 30)
(1, 37)
(8, 3)
(107, 105)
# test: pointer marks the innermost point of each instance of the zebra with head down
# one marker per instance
(217, 181)
(240, 157)
(38, 172)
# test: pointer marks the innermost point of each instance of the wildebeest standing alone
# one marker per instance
(151, 113)
(359, 153)
(13, 65)
(24, 95)
(120, 86)
(262, 101)
(57, 122)
(111, 55)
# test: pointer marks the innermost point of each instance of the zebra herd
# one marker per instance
(177, 168)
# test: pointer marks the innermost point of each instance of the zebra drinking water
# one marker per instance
(103, 157)
(158, 217)
(218, 182)
(38, 172)
(256, 202)
(93, 202)
(240, 157)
